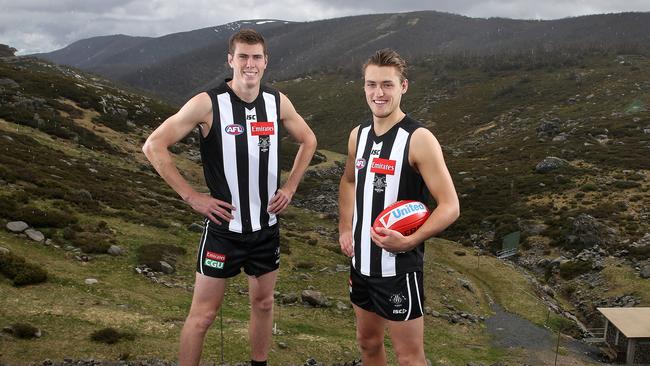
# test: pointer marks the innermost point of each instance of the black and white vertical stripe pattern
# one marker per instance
(243, 169)
(371, 199)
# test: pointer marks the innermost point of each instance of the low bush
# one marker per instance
(304, 265)
(24, 330)
(589, 187)
(95, 247)
(151, 255)
(640, 253)
(572, 269)
(110, 336)
(625, 184)
(19, 271)
(39, 218)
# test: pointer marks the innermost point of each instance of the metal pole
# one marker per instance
(557, 347)
(221, 327)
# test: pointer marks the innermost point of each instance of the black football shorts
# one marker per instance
(395, 298)
(223, 254)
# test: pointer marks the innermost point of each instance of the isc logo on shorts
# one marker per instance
(399, 311)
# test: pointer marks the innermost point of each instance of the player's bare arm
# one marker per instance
(346, 197)
(197, 111)
(425, 155)
(304, 136)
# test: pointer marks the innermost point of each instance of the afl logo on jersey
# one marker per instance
(361, 163)
(234, 129)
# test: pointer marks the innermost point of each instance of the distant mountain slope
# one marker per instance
(90, 52)
(120, 55)
(177, 66)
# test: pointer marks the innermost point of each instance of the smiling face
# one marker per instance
(248, 63)
(384, 90)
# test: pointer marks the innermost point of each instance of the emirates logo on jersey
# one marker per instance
(383, 166)
(262, 128)
(234, 129)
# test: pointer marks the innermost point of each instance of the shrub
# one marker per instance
(95, 247)
(625, 184)
(640, 253)
(304, 265)
(151, 255)
(589, 187)
(39, 218)
(81, 198)
(110, 336)
(636, 198)
(69, 233)
(571, 269)
(607, 209)
(19, 271)
(285, 247)
(7, 175)
(24, 330)
(7, 206)
(91, 242)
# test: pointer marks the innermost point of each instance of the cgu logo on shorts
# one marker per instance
(395, 215)
(234, 129)
(262, 129)
(383, 166)
(214, 260)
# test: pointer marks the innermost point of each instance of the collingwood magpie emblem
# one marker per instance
(379, 183)
(264, 143)
(397, 299)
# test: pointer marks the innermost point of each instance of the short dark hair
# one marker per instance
(387, 57)
(248, 36)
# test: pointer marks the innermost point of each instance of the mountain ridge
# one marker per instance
(298, 48)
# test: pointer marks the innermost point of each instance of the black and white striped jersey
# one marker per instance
(383, 176)
(240, 156)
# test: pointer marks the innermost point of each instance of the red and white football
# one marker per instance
(405, 216)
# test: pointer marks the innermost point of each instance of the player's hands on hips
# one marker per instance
(390, 240)
(345, 240)
(211, 207)
(279, 201)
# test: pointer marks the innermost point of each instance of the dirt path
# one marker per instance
(513, 332)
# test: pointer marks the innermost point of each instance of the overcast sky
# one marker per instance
(44, 25)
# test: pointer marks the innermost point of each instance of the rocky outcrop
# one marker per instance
(589, 232)
(551, 163)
